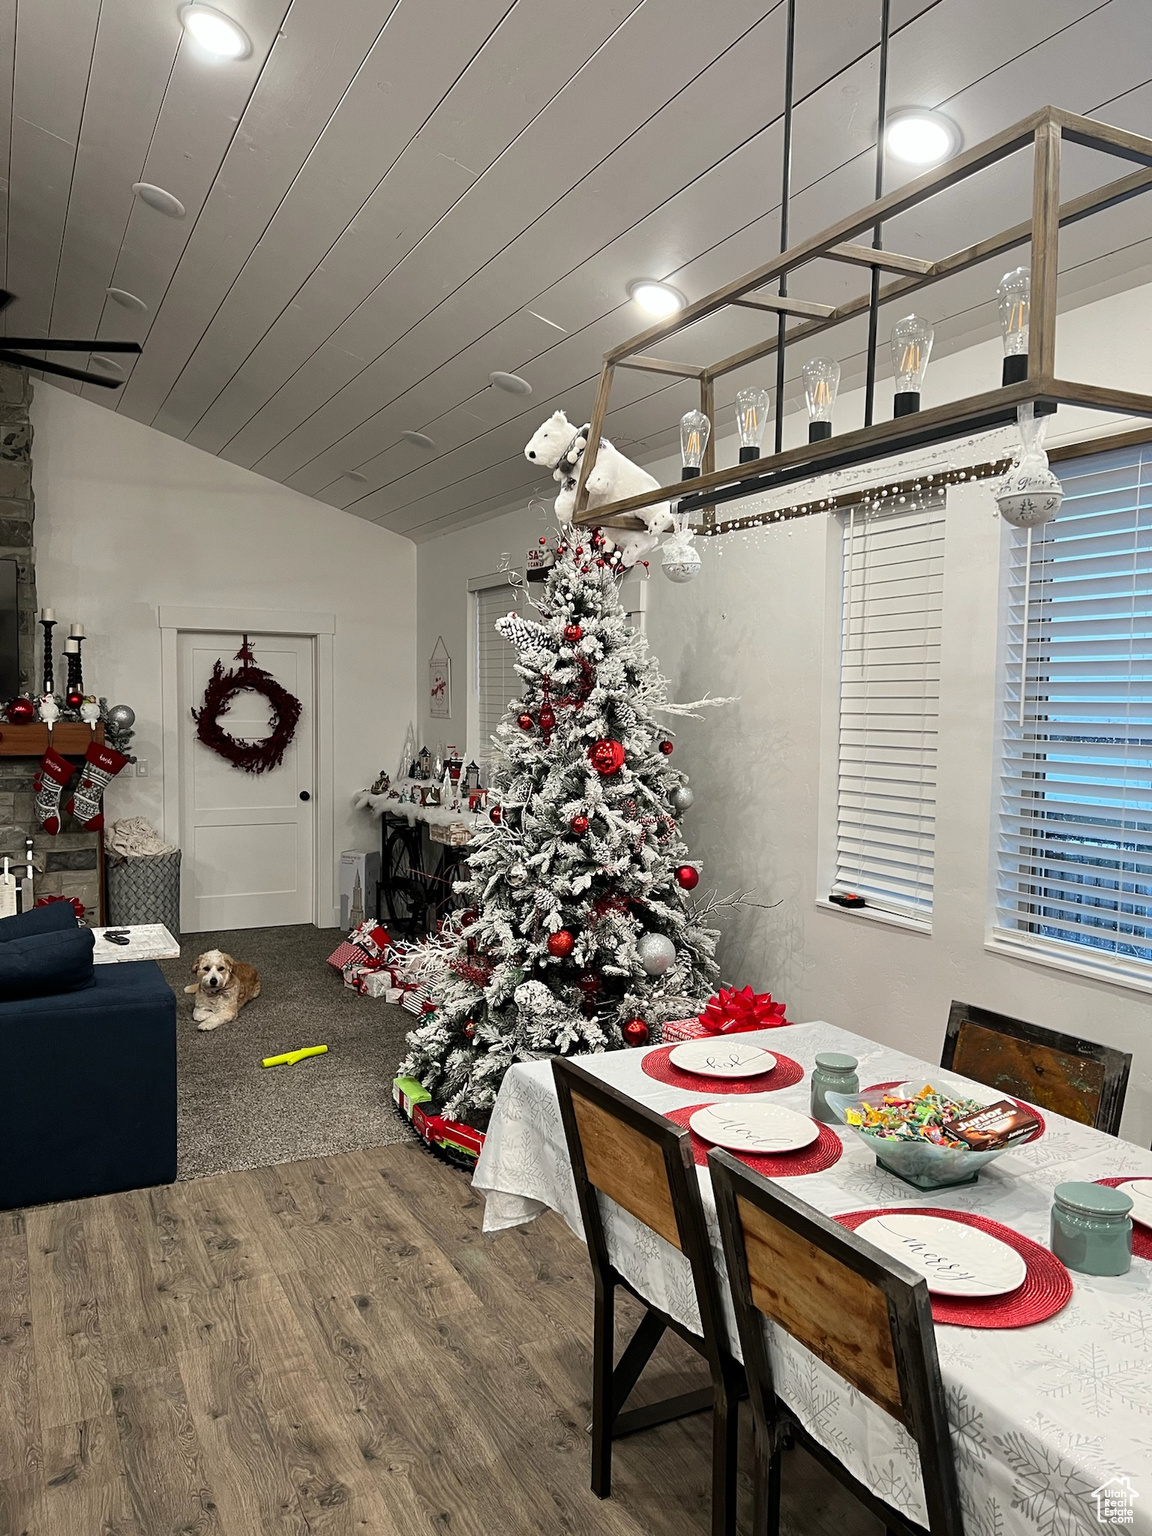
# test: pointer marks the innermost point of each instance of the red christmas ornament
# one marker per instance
(666, 748)
(21, 711)
(525, 721)
(470, 1028)
(572, 633)
(584, 569)
(579, 825)
(579, 549)
(561, 944)
(543, 540)
(73, 698)
(589, 983)
(635, 1032)
(547, 719)
(495, 815)
(606, 756)
(687, 877)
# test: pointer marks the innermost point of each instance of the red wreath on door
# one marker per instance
(223, 687)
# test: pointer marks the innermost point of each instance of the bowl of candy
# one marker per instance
(935, 1137)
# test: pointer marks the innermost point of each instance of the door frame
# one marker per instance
(320, 628)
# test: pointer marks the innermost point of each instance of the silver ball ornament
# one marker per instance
(681, 799)
(657, 953)
(684, 565)
(121, 717)
(517, 875)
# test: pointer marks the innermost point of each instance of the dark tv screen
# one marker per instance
(9, 633)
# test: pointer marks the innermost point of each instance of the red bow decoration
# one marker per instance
(733, 1011)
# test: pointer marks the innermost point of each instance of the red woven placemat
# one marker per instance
(1046, 1288)
(1031, 1108)
(1141, 1237)
(657, 1064)
(814, 1158)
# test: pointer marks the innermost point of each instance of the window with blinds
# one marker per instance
(497, 681)
(1075, 847)
(893, 579)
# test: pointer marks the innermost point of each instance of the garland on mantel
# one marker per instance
(223, 687)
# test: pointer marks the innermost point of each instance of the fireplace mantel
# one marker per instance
(71, 738)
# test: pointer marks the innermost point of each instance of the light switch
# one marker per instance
(141, 767)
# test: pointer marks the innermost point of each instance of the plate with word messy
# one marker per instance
(1139, 1191)
(955, 1259)
(722, 1058)
(754, 1127)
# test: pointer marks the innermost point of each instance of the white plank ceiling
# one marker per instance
(388, 199)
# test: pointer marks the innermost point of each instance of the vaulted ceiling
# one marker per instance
(389, 199)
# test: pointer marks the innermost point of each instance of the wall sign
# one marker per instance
(440, 681)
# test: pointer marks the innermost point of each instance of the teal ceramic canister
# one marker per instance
(1091, 1228)
(833, 1073)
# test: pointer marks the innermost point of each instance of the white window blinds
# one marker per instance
(1075, 848)
(889, 703)
(497, 681)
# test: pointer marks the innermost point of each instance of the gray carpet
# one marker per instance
(234, 1113)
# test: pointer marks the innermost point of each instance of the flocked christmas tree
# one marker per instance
(581, 931)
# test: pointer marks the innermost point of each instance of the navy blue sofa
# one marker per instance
(87, 1075)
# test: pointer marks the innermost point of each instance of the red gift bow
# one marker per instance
(733, 1011)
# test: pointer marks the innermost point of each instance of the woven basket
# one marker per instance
(145, 889)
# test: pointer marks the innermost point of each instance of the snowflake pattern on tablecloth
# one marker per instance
(816, 1397)
(892, 1484)
(969, 1442)
(1049, 1489)
(983, 1518)
(1100, 1383)
(1132, 1329)
(1085, 1451)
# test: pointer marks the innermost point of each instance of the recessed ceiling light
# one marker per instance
(511, 383)
(354, 474)
(920, 137)
(157, 198)
(127, 300)
(216, 33)
(656, 298)
(421, 439)
(106, 364)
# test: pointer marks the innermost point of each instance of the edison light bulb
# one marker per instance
(694, 430)
(911, 349)
(751, 419)
(821, 381)
(1014, 296)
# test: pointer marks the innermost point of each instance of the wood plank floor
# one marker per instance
(328, 1347)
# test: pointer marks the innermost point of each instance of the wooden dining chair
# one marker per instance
(1063, 1073)
(627, 1152)
(864, 1314)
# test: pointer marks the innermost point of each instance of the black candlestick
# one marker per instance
(49, 679)
(74, 696)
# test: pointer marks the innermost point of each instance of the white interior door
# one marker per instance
(247, 837)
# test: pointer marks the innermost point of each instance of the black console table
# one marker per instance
(416, 876)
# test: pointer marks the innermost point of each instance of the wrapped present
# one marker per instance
(347, 954)
(416, 1000)
(455, 834)
(731, 1011)
(379, 984)
(373, 938)
(683, 1029)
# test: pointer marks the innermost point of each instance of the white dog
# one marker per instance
(222, 987)
(559, 446)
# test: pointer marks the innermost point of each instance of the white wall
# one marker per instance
(128, 519)
(758, 623)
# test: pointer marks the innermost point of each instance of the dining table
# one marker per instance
(1051, 1423)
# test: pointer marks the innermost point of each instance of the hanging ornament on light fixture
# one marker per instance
(911, 348)
(751, 419)
(694, 431)
(1014, 296)
(821, 381)
(1030, 493)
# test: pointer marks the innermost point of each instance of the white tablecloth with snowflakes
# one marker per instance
(1042, 1417)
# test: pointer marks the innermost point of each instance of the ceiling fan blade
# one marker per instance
(19, 361)
(52, 344)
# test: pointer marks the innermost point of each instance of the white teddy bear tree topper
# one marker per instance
(559, 446)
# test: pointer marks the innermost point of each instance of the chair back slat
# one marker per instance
(1065, 1074)
(1066, 1084)
(627, 1166)
(837, 1313)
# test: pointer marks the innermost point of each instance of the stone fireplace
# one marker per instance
(68, 864)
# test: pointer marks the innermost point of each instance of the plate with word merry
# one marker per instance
(954, 1258)
(754, 1127)
(1139, 1191)
(722, 1058)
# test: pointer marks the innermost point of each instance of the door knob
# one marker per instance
(304, 795)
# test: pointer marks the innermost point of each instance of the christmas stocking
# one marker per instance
(101, 765)
(51, 776)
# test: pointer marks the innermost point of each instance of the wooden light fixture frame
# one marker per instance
(1045, 130)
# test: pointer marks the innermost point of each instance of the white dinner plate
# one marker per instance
(954, 1258)
(722, 1058)
(1139, 1191)
(754, 1127)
